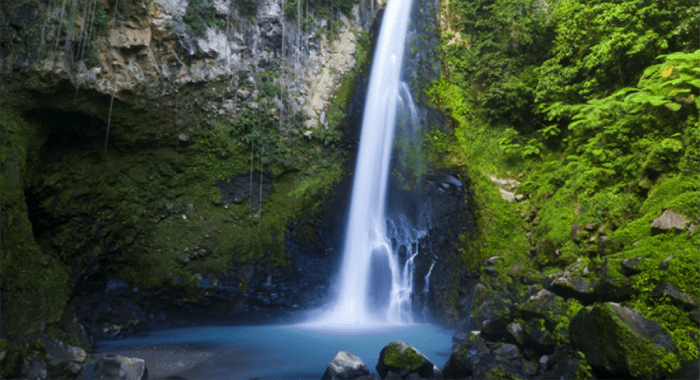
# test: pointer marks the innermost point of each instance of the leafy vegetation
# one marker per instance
(592, 106)
(201, 13)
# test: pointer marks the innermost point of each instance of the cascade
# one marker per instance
(376, 274)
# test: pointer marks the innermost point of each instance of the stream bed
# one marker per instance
(269, 351)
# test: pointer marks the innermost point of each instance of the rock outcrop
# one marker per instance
(618, 341)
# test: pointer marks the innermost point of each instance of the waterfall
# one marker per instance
(426, 290)
(375, 283)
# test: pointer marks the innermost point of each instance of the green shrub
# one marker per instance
(199, 14)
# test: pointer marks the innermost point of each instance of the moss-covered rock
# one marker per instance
(403, 359)
(465, 360)
(618, 341)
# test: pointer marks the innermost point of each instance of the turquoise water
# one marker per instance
(286, 351)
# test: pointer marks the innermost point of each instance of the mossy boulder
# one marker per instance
(569, 285)
(466, 359)
(618, 341)
(545, 305)
(614, 289)
(403, 359)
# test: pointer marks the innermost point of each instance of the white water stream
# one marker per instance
(376, 276)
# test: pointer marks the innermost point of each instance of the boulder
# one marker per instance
(668, 289)
(345, 366)
(63, 360)
(538, 338)
(466, 359)
(618, 341)
(571, 286)
(516, 333)
(667, 221)
(491, 271)
(614, 289)
(114, 367)
(492, 307)
(403, 359)
(35, 369)
(688, 370)
(507, 352)
(546, 305)
(630, 267)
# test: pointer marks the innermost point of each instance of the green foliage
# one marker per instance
(248, 7)
(101, 19)
(603, 45)
(600, 113)
(494, 45)
(92, 59)
(199, 14)
(290, 8)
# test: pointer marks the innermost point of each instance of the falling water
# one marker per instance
(368, 250)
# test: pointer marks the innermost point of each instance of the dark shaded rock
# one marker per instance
(116, 288)
(492, 307)
(564, 363)
(392, 376)
(63, 360)
(667, 289)
(571, 286)
(538, 338)
(543, 362)
(664, 264)
(614, 289)
(602, 245)
(688, 370)
(695, 316)
(114, 367)
(398, 356)
(35, 369)
(516, 332)
(630, 266)
(496, 326)
(545, 305)
(466, 359)
(667, 221)
(507, 352)
(345, 366)
(491, 271)
(617, 341)
(529, 367)
(413, 376)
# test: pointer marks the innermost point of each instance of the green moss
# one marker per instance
(409, 359)
(640, 356)
(32, 279)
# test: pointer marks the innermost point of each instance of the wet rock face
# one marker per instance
(246, 188)
(618, 341)
(443, 198)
